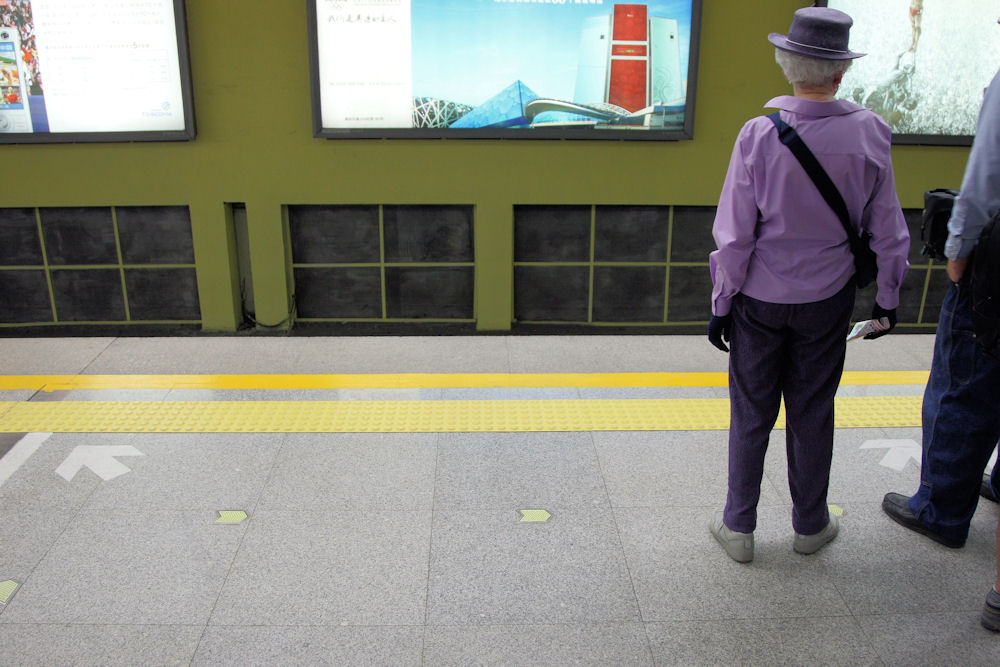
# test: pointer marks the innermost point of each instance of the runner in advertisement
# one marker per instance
(928, 62)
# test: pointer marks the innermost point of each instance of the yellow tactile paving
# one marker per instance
(412, 380)
(415, 416)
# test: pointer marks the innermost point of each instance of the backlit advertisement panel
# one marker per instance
(594, 69)
(928, 63)
(79, 70)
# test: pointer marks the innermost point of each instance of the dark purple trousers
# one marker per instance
(795, 351)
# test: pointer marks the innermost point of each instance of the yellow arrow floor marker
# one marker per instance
(534, 516)
(7, 589)
(231, 516)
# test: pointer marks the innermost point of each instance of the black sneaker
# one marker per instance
(990, 617)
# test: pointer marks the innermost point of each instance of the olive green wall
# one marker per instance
(255, 146)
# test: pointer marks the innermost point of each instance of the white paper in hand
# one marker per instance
(862, 329)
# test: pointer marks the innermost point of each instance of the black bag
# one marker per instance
(934, 224)
(865, 259)
(984, 287)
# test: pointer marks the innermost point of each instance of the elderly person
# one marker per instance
(783, 276)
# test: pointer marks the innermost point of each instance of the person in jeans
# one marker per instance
(783, 288)
(961, 407)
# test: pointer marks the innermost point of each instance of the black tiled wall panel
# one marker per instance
(551, 293)
(84, 261)
(76, 236)
(863, 301)
(24, 297)
(629, 293)
(334, 234)
(19, 242)
(428, 233)
(625, 274)
(429, 293)
(909, 296)
(552, 233)
(937, 287)
(690, 298)
(573, 264)
(155, 234)
(88, 295)
(692, 238)
(324, 236)
(631, 233)
(162, 294)
(347, 292)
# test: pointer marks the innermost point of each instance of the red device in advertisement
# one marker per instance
(629, 60)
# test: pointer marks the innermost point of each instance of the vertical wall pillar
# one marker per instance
(494, 241)
(216, 265)
(270, 262)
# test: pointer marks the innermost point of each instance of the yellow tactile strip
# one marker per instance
(412, 380)
(415, 416)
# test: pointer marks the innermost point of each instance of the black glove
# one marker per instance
(719, 328)
(879, 312)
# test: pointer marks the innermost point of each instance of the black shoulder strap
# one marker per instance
(830, 193)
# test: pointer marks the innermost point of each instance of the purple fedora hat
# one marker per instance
(817, 32)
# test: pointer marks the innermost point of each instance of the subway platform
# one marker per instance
(494, 500)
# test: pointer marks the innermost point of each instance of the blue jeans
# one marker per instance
(961, 422)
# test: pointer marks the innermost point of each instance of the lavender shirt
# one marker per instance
(778, 240)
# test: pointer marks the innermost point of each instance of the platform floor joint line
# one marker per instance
(677, 414)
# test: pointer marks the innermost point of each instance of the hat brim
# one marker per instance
(781, 41)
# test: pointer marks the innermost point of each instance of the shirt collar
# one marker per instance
(812, 107)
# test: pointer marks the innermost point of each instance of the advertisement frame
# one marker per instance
(907, 139)
(572, 133)
(187, 99)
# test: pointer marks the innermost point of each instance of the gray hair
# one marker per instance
(806, 71)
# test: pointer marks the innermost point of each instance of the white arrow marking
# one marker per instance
(99, 458)
(19, 453)
(899, 454)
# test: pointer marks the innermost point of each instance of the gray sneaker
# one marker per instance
(739, 546)
(810, 544)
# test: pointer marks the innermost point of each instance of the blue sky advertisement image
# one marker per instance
(505, 64)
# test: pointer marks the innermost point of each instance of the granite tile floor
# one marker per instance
(407, 549)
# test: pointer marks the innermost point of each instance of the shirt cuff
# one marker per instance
(881, 300)
(958, 248)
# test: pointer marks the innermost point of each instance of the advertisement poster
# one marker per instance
(928, 62)
(495, 65)
(80, 67)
